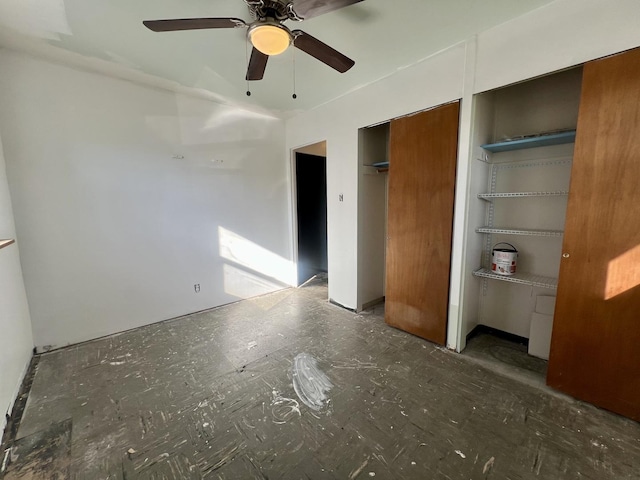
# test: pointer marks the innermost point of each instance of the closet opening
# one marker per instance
(373, 152)
(523, 140)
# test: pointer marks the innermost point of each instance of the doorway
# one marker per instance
(310, 164)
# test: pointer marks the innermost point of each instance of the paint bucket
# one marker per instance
(503, 260)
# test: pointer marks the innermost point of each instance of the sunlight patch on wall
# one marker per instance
(242, 284)
(623, 273)
(247, 254)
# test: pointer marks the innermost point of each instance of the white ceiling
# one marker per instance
(382, 36)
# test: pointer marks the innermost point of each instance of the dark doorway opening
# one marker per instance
(311, 205)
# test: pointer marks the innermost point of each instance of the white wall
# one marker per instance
(16, 342)
(556, 36)
(114, 231)
(559, 35)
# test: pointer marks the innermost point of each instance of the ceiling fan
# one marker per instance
(268, 34)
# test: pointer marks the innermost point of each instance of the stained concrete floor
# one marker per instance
(212, 395)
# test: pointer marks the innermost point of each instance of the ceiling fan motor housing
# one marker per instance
(263, 9)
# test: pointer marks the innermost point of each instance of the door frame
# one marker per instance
(293, 199)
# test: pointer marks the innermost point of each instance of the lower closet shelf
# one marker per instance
(522, 278)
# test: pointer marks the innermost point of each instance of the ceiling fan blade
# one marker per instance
(257, 65)
(321, 51)
(312, 8)
(192, 24)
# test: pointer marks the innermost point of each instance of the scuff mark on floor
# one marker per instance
(358, 470)
(113, 362)
(458, 452)
(309, 382)
(537, 462)
(283, 408)
(488, 465)
(356, 364)
(4, 461)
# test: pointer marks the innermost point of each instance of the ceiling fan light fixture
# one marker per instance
(270, 38)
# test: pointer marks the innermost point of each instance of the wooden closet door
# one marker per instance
(422, 172)
(595, 348)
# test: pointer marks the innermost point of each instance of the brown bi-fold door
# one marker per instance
(595, 348)
(422, 173)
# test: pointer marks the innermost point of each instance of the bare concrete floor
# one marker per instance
(507, 358)
(212, 395)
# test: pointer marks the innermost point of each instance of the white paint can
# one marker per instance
(503, 260)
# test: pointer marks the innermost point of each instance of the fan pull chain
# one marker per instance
(294, 96)
(246, 57)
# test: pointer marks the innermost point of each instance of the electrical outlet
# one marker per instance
(196, 287)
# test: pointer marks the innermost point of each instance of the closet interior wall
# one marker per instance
(373, 149)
